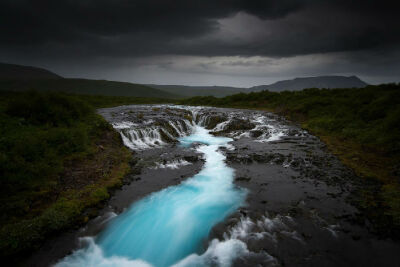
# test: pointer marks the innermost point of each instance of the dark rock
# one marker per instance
(191, 158)
(165, 137)
(239, 124)
(244, 159)
(256, 133)
(195, 145)
(236, 125)
(293, 132)
(244, 179)
(213, 121)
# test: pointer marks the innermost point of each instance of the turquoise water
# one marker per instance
(167, 226)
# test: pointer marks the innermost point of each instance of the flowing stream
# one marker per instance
(266, 194)
(170, 226)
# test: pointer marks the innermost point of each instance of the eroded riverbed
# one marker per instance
(223, 187)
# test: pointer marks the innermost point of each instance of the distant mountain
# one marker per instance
(189, 91)
(289, 85)
(21, 78)
(312, 82)
(14, 72)
(18, 78)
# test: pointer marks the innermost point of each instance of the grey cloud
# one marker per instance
(135, 28)
(100, 37)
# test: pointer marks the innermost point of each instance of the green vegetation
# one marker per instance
(58, 161)
(85, 86)
(19, 72)
(99, 101)
(360, 125)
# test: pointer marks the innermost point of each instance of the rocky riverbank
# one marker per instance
(299, 210)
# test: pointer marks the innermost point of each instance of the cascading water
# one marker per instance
(168, 226)
(288, 213)
(138, 137)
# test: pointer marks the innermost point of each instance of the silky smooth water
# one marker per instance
(167, 226)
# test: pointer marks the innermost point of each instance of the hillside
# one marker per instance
(84, 86)
(87, 87)
(189, 91)
(59, 159)
(312, 82)
(285, 85)
(22, 78)
(18, 72)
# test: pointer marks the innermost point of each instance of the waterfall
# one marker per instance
(172, 224)
(145, 136)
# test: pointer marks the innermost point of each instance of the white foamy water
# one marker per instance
(175, 164)
(169, 226)
(123, 125)
(142, 138)
(145, 136)
(272, 131)
(93, 256)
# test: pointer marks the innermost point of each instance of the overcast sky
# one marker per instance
(200, 42)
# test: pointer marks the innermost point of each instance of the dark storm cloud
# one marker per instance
(29, 22)
(65, 28)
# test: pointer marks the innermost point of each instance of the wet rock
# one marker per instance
(165, 137)
(293, 132)
(195, 145)
(242, 179)
(191, 158)
(236, 125)
(168, 128)
(275, 158)
(240, 124)
(256, 133)
(244, 159)
(213, 121)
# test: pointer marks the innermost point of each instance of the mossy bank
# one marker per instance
(59, 161)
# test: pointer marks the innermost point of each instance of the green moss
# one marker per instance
(99, 195)
(44, 135)
(391, 195)
(188, 117)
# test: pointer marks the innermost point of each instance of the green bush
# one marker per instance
(48, 108)
(40, 131)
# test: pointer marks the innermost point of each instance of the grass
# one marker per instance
(359, 125)
(100, 101)
(58, 162)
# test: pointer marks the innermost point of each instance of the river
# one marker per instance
(169, 225)
(223, 187)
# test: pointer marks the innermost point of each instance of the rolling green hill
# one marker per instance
(87, 87)
(188, 91)
(18, 72)
(298, 84)
(23, 78)
(284, 85)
